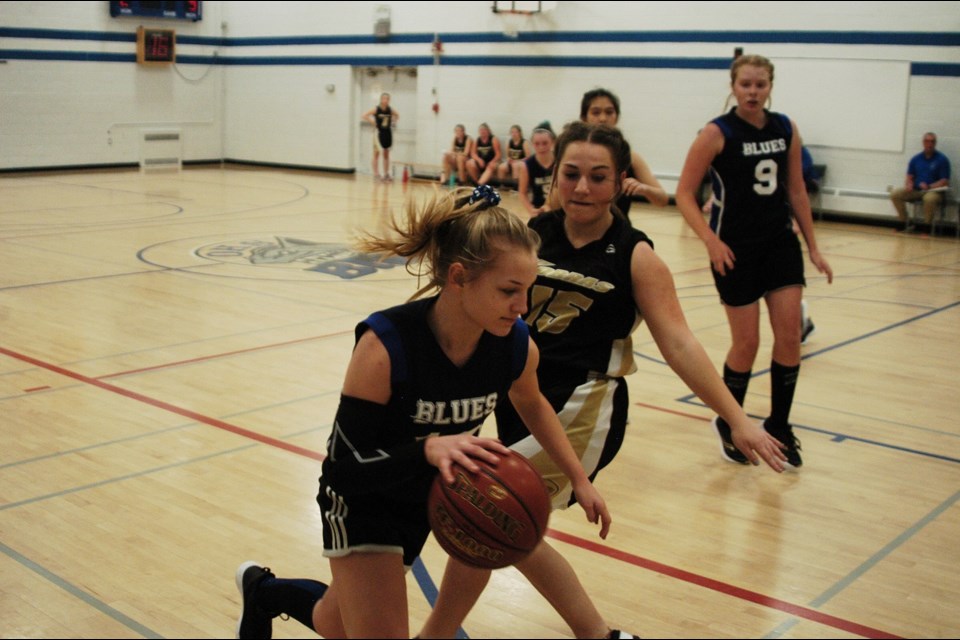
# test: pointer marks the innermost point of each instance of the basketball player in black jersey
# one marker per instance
(397, 425)
(485, 157)
(383, 117)
(754, 158)
(536, 172)
(601, 106)
(518, 149)
(455, 159)
(598, 278)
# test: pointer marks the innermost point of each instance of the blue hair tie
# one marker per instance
(486, 193)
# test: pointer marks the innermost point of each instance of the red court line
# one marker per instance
(724, 588)
(214, 356)
(679, 574)
(673, 411)
(166, 406)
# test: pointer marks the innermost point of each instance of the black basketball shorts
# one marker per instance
(761, 267)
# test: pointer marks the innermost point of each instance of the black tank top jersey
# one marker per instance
(582, 311)
(540, 179)
(429, 394)
(750, 179)
(460, 146)
(485, 149)
(515, 152)
(384, 118)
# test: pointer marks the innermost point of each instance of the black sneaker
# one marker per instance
(616, 633)
(808, 329)
(793, 452)
(254, 622)
(728, 450)
(791, 441)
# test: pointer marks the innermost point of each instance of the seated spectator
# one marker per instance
(485, 157)
(928, 170)
(455, 159)
(810, 179)
(518, 149)
(536, 172)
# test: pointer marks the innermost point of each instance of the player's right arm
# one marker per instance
(708, 144)
(535, 411)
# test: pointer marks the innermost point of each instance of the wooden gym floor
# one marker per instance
(172, 346)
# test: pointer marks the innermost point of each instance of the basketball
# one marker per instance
(493, 518)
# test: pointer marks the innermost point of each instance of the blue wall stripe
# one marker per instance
(930, 69)
(940, 39)
(888, 38)
(359, 61)
(85, 56)
(935, 69)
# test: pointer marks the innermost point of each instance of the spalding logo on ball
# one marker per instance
(493, 518)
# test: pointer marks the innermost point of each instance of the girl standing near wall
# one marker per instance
(383, 117)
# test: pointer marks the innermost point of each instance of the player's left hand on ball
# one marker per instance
(443, 451)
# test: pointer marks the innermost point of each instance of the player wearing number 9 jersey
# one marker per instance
(749, 203)
(754, 159)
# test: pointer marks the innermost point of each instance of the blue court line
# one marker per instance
(98, 445)
(187, 425)
(57, 581)
(870, 563)
(839, 437)
(79, 593)
(870, 334)
(72, 589)
(127, 476)
(429, 589)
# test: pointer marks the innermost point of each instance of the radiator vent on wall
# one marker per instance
(161, 149)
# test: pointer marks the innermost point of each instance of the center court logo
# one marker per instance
(332, 259)
(288, 257)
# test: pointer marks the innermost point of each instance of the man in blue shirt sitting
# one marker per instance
(928, 178)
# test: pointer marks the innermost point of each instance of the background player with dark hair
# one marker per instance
(602, 106)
